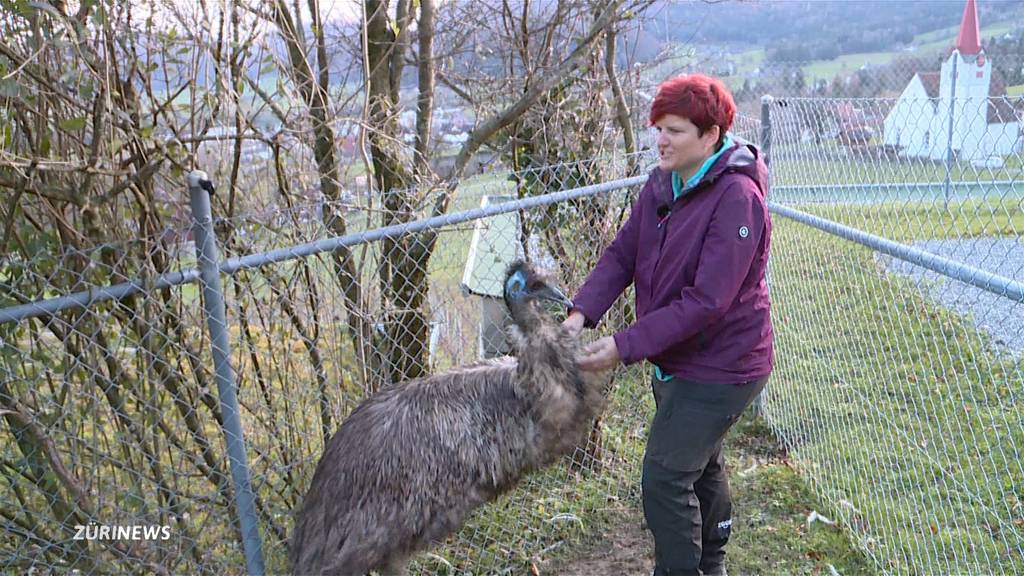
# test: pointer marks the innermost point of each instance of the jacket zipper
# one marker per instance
(677, 203)
(663, 229)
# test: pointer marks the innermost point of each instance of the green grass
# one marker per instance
(908, 223)
(746, 63)
(749, 60)
(925, 44)
(827, 69)
(946, 38)
(851, 169)
(448, 261)
(675, 61)
(1017, 90)
(772, 504)
(770, 531)
(900, 412)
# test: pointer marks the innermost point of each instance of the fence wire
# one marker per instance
(113, 448)
(897, 388)
(895, 391)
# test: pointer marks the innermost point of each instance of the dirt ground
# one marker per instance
(628, 549)
(772, 533)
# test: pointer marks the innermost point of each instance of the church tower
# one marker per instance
(968, 92)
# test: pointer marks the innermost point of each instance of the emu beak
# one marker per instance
(555, 295)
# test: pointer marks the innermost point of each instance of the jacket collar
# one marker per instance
(679, 188)
(743, 157)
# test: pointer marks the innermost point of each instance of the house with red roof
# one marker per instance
(963, 95)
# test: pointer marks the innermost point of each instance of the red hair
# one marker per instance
(701, 99)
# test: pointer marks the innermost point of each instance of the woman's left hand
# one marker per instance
(599, 355)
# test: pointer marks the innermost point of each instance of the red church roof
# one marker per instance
(968, 41)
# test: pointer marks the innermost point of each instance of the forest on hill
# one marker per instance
(816, 30)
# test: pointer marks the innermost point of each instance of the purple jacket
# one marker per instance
(698, 267)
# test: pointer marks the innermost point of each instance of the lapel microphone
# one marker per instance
(664, 211)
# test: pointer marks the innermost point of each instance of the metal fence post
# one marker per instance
(208, 257)
(949, 135)
(766, 127)
(766, 149)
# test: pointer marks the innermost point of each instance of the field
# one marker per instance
(924, 44)
(930, 43)
(891, 404)
(774, 531)
(842, 396)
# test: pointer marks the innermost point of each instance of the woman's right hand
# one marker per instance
(574, 322)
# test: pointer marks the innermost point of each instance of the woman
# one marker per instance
(695, 248)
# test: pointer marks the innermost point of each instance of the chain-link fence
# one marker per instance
(118, 389)
(896, 283)
(897, 279)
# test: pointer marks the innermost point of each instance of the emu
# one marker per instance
(412, 461)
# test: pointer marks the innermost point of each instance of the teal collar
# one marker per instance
(677, 181)
(661, 375)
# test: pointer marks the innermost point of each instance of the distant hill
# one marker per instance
(804, 30)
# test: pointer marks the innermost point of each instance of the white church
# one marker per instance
(918, 124)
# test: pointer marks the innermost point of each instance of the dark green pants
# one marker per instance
(686, 495)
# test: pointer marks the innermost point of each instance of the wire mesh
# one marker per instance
(897, 389)
(111, 415)
(109, 448)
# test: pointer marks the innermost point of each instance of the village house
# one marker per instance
(964, 94)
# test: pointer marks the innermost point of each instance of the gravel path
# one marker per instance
(1000, 317)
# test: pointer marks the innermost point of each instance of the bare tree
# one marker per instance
(105, 105)
(555, 45)
(557, 61)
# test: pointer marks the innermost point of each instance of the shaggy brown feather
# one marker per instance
(411, 462)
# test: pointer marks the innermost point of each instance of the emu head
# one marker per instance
(526, 289)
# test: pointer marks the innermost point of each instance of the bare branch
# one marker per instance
(22, 421)
(489, 127)
(621, 108)
(425, 108)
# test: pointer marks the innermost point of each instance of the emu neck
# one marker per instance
(545, 351)
(528, 316)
